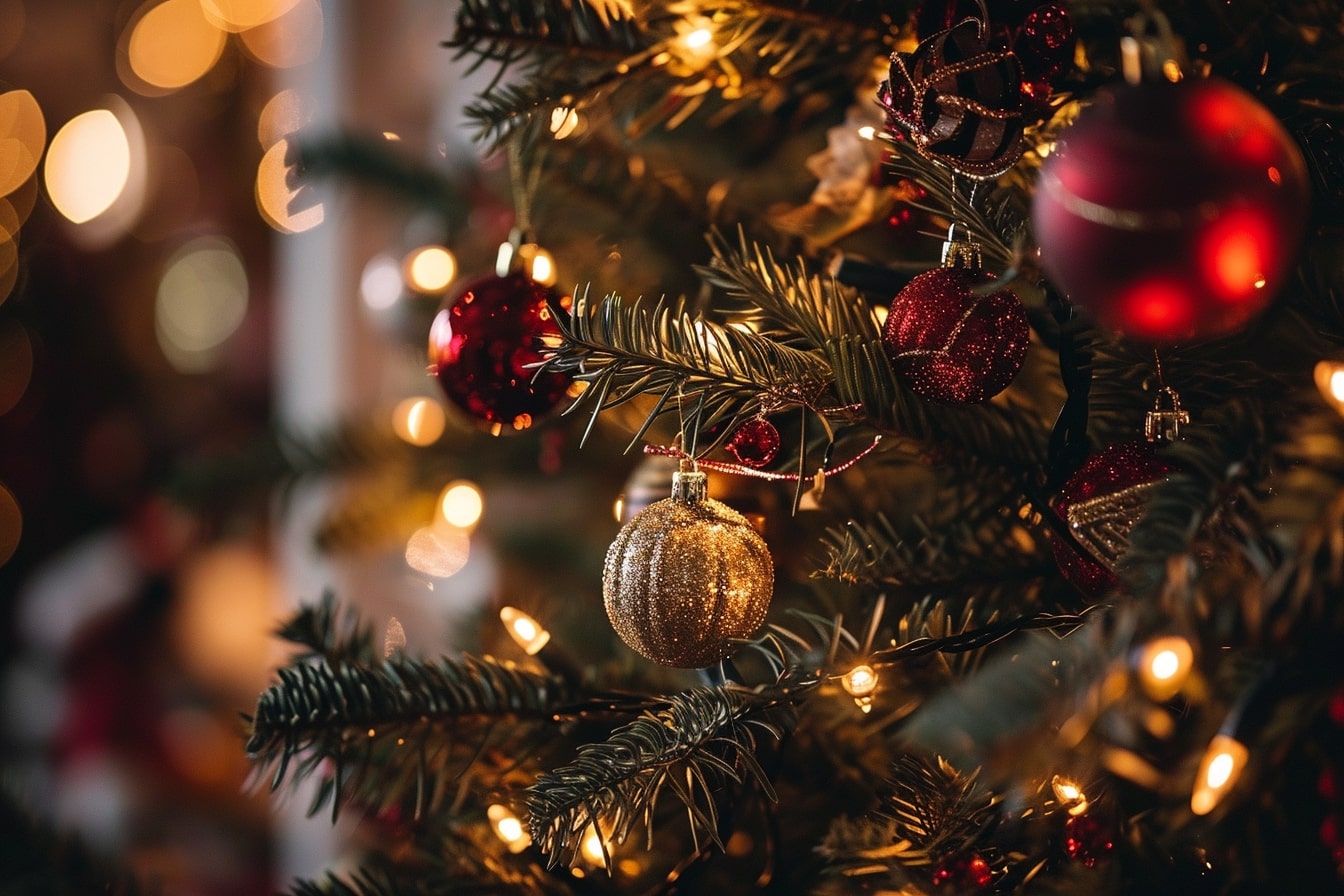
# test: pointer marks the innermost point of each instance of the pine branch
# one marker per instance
(331, 632)
(970, 538)
(389, 731)
(625, 350)
(375, 162)
(703, 741)
(931, 812)
(768, 57)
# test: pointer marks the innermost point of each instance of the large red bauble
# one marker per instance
(1100, 503)
(484, 344)
(1171, 212)
(951, 345)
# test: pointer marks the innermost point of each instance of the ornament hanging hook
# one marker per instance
(1151, 50)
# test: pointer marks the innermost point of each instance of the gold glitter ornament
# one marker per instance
(686, 576)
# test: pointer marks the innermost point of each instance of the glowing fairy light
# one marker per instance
(526, 632)
(564, 122)
(461, 504)
(418, 421)
(438, 551)
(171, 45)
(592, 847)
(88, 165)
(1218, 772)
(508, 828)
(860, 683)
(1329, 377)
(430, 269)
(1069, 795)
(1164, 665)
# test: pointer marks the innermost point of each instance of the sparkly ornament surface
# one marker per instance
(756, 443)
(1171, 212)
(1100, 503)
(951, 345)
(482, 345)
(686, 576)
(959, 101)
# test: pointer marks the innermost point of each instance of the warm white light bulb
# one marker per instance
(1163, 666)
(860, 681)
(1069, 795)
(592, 846)
(526, 632)
(508, 828)
(698, 38)
(1218, 772)
(461, 504)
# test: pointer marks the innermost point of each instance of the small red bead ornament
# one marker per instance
(756, 443)
(949, 344)
(483, 346)
(1171, 212)
(1087, 840)
(966, 873)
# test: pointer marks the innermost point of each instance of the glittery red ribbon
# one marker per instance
(738, 469)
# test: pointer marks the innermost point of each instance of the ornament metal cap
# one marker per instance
(1151, 51)
(690, 486)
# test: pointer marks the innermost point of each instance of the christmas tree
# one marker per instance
(985, 361)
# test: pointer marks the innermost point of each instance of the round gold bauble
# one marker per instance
(686, 576)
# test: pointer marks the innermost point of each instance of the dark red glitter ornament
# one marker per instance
(756, 443)
(1100, 503)
(953, 346)
(483, 345)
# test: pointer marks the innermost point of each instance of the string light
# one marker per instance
(564, 122)
(525, 631)
(1069, 794)
(461, 504)
(592, 847)
(694, 44)
(430, 269)
(860, 683)
(418, 421)
(438, 551)
(1329, 376)
(508, 828)
(539, 264)
(1218, 772)
(1164, 665)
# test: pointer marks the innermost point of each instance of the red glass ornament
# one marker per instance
(965, 873)
(756, 443)
(482, 346)
(1087, 840)
(951, 345)
(1171, 212)
(1100, 503)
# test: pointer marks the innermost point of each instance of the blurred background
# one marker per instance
(172, 296)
